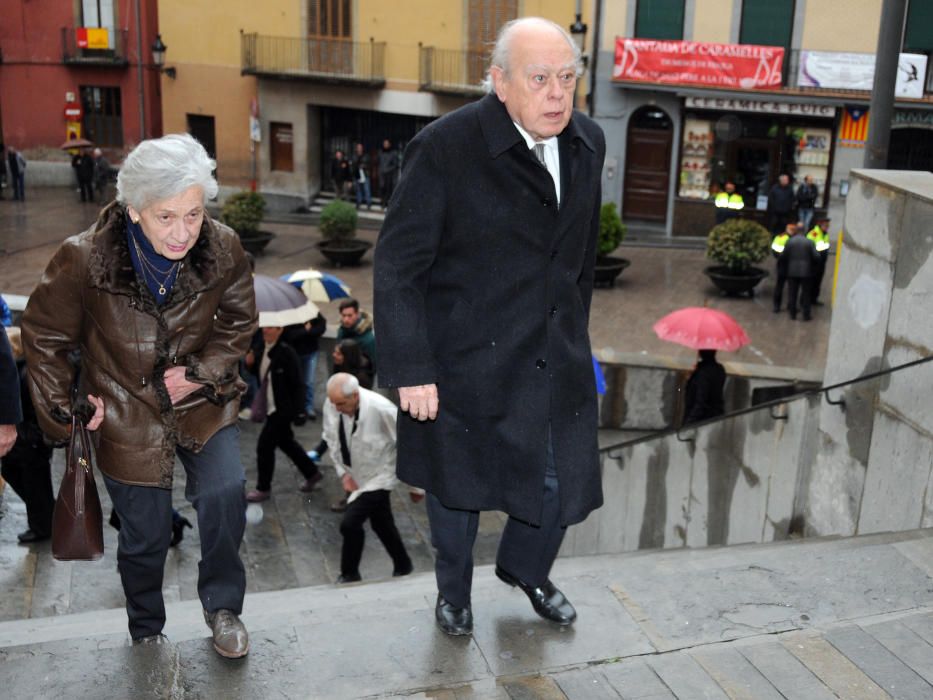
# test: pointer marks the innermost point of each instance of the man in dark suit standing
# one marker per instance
(483, 279)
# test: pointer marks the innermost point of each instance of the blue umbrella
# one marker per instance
(318, 286)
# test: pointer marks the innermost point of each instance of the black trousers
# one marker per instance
(779, 283)
(277, 433)
(215, 489)
(798, 286)
(27, 469)
(817, 280)
(87, 190)
(526, 551)
(376, 507)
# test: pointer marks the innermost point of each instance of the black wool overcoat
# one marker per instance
(483, 286)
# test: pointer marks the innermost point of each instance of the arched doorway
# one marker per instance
(648, 165)
(911, 149)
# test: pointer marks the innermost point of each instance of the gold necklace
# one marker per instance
(146, 266)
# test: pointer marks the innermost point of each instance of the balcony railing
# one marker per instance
(115, 55)
(451, 72)
(320, 60)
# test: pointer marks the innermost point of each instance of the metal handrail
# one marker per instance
(770, 405)
(451, 71)
(334, 58)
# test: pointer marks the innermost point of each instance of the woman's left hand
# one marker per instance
(178, 387)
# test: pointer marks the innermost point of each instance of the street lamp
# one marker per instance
(158, 57)
(578, 32)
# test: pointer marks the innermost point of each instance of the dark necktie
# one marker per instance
(344, 447)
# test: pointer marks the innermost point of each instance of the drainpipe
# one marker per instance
(594, 58)
(139, 72)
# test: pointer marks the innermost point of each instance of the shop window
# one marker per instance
(103, 115)
(695, 159)
(281, 138)
(660, 19)
(767, 22)
(329, 18)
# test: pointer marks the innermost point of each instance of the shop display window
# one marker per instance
(695, 159)
(811, 157)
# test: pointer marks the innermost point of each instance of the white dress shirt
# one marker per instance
(551, 155)
(371, 444)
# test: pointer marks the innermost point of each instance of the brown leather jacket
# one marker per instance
(90, 299)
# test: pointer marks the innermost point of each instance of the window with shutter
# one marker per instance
(767, 22)
(329, 19)
(660, 19)
(485, 19)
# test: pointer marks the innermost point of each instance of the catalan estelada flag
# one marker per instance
(853, 131)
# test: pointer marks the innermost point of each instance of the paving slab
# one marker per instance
(634, 679)
(785, 672)
(883, 667)
(585, 684)
(686, 678)
(906, 645)
(735, 674)
(836, 672)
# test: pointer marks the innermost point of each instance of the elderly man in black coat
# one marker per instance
(800, 260)
(483, 279)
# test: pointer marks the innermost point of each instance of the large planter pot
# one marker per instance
(344, 253)
(733, 283)
(255, 242)
(607, 269)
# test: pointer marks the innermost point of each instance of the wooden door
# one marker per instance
(648, 166)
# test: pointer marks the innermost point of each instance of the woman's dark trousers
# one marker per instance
(277, 432)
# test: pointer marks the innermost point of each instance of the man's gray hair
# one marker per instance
(501, 52)
(348, 384)
(161, 168)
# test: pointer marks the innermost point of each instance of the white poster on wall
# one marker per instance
(856, 71)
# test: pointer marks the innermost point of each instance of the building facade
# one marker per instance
(276, 90)
(78, 69)
(694, 93)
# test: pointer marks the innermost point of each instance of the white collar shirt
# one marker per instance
(370, 439)
(551, 155)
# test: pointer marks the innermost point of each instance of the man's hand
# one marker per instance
(178, 387)
(420, 402)
(7, 438)
(349, 483)
(98, 417)
(416, 495)
(250, 358)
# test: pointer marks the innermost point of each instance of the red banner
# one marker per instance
(741, 66)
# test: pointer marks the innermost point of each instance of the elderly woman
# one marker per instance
(159, 300)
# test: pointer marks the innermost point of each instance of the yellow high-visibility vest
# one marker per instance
(724, 200)
(819, 237)
(780, 240)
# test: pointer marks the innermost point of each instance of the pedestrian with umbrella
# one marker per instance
(317, 287)
(705, 330)
(280, 399)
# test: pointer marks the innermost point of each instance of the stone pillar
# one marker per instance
(872, 470)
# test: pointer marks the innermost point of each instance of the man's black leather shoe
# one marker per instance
(546, 599)
(451, 620)
(349, 578)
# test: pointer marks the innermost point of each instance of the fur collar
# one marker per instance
(110, 266)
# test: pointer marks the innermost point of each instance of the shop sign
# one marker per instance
(73, 111)
(856, 71)
(740, 66)
(913, 118)
(725, 104)
(92, 38)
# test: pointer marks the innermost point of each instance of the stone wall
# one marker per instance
(873, 469)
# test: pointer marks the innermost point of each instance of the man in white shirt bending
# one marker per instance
(359, 428)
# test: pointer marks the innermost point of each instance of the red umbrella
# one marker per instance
(701, 328)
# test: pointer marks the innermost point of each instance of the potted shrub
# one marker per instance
(611, 233)
(243, 213)
(736, 244)
(338, 228)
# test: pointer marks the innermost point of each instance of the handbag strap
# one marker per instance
(80, 460)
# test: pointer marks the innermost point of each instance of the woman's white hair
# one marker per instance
(501, 52)
(161, 168)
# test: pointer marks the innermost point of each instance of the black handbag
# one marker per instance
(77, 521)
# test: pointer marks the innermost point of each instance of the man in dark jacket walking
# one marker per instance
(703, 393)
(483, 279)
(279, 401)
(388, 171)
(799, 260)
(781, 203)
(83, 166)
(304, 337)
(807, 195)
